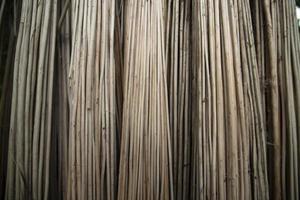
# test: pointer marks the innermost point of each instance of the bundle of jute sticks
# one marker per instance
(149, 99)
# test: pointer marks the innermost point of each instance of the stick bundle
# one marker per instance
(31, 108)
(149, 99)
(229, 154)
(94, 112)
(145, 160)
(278, 53)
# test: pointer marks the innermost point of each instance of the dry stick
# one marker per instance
(101, 104)
(203, 101)
(212, 60)
(208, 102)
(98, 146)
(89, 109)
(82, 92)
(180, 102)
(220, 109)
(50, 97)
(152, 114)
(103, 100)
(175, 88)
(187, 135)
(148, 142)
(113, 111)
(169, 155)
